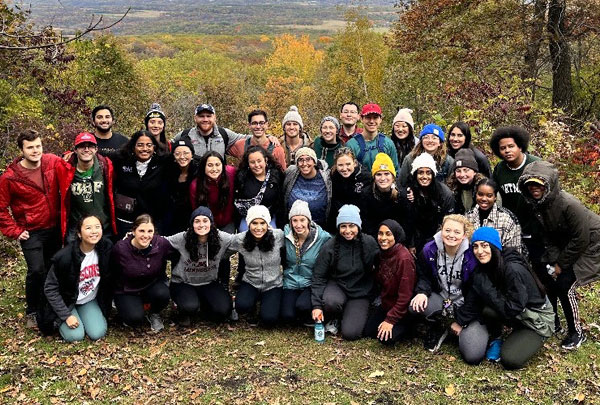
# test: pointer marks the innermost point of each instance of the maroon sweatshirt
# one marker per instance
(396, 278)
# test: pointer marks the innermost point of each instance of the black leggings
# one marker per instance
(378, 315)
(563, 289)
(212, 299)
(296, 304)
(131, 306)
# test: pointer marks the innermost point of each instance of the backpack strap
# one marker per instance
(225, 137)
(381, 142)
(247, 144)
(362, 145)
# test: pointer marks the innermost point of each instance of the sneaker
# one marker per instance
(573, 341)
(332, 326)
(434, 338)
(493, 351)
(31, 321)
(156, 322)
(184, 321)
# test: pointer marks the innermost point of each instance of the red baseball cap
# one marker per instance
(370, 108)
(84, 137)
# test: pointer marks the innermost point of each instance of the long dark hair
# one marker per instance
(128, 150)
(202, 182)
(265, 244)
(496, 271)
(404, 146)
(466, 130)
(244, 167)
(192, 244)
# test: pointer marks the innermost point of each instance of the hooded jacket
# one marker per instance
(298, 271)
(571, 231)
(65, 178)
(521, 291)
(32, 208)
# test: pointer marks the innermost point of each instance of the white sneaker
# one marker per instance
(332, 326)
(156, 322)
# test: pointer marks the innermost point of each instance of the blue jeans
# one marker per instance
(91, 323)
(270, 300)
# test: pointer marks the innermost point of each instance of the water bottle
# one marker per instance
(319, 332)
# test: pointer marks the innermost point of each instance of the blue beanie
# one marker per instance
(487, 234)
(348, 214)
(202, 211)
(432, 129)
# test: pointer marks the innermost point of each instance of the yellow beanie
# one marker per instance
(383, 163)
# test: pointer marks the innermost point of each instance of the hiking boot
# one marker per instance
(573, 341)
(156, 322)
(493, 351)
(434, 338)
(333, 326)
(185, 321)
(31, 321)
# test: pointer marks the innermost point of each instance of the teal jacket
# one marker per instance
(297, 274)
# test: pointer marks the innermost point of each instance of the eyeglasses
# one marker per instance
(258, 123)
(303, 160)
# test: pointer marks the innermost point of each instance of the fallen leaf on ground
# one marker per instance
(450, 390)
(376, 374)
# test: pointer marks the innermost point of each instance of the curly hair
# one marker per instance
(520, 135)
(461, 219)
(244, 167)
(202, 181)
(265, 244)
(192, 244)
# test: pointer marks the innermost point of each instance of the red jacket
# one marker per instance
(222, 217)
(65, 178)
(396, 277)
(33, 208)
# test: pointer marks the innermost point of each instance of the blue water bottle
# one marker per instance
(319, 332)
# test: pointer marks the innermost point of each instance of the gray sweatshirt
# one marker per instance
(263, 269)
(203, 271)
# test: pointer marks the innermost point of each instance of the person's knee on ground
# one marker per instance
(472, 342)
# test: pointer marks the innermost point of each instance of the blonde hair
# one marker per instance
(461, 219)
(439, 156)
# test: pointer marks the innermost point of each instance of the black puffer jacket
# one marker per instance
(520, 291)
(347, 191)
(571, 231)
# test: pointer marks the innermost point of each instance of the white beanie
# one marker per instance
(300, 207)
(424, 160)
(293, 115)
(258, 211)
(404, 115)
(306, 151)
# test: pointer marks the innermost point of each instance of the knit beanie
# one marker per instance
(306, 151)
(432, 129)
(396, 228)
(155, 112)
(405, 115)
(201, 211)
(185, 141)
(424, 160)
(293, 115)
(465, 158)
(383, 163)
(348, 214)
(258, 211)
(300, 207)
(487, 234)
(331, 119)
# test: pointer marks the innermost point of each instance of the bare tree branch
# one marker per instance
(92, 26)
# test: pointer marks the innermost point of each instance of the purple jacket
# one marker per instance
(427, 270)
(134, 270)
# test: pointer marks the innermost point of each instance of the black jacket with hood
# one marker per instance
(571, 231)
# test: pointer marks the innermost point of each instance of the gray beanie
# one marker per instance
(300, 207)
(466, 158)
(330, 119)
(293, 115)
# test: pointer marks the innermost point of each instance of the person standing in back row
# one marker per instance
(294, 136)
(371, 142)
(349, 118)
(109, 142)
(29, 188)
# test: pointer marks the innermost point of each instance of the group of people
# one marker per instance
(367, 233)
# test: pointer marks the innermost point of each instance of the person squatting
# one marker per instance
(385, 237)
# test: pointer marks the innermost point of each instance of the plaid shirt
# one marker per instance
(504, 221)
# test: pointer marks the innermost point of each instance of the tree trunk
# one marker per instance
(534, 28)
(560, 54)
